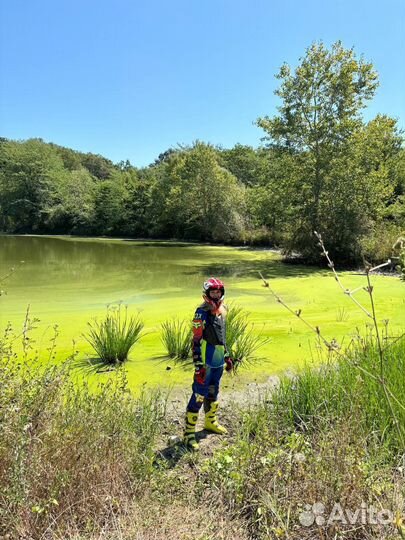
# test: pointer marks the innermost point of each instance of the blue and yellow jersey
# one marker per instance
(209, 332)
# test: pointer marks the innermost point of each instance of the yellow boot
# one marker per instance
(211, 421)
(189, 431)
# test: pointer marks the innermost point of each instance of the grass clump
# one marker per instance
(114, 337)
(241, 338)
(350, 385)
(176, 338)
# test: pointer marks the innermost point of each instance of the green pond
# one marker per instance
(70, 281)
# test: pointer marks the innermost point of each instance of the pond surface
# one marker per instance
(69, 281)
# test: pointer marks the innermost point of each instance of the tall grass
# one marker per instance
(177, 338)
(114, 337)
(242, 339)
(70, 458)
(343, 388)
(324, 436)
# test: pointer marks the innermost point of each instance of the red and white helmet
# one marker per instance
(213, 283)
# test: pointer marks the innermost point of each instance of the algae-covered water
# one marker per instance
(69, 281)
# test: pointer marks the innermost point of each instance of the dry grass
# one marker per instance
(78, 464)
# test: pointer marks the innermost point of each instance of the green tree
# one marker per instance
(247, 164)
(138, 202)
(29, 172)
(320, 112)
(73, 210)
(72, 160)
(98, 166)
(110, 203)
(194, 197)
(273, 202)
(381, 174)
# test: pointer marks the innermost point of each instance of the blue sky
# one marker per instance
(129, 79)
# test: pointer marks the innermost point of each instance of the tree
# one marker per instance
(110, 202)
(29, 173)
(97, 165)
(73, 210)
(273, 202)
(247, 164)
(137, 202)
(194, 197)
(164, 156)
(320, 112)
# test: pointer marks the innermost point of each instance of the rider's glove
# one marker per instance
(229, 363)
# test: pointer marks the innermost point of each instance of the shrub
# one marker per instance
(377, 246)
(402, 263)
(113, 338)
(260, 236)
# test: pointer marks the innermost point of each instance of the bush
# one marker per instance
(402, 263)
(113, 338)
(377, 246)
(261, 236)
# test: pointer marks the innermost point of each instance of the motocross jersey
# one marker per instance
(209, 337)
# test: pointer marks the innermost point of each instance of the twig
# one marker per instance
(332, 346)
(331, 265)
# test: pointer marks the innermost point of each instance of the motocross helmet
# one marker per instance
(210, 284)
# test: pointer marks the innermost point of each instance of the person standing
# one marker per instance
(210, 357)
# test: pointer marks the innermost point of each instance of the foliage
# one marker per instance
(74, 206)
(28, 176)
(176, 337)
(273, 202)
(138, 203)
(260, 236)
(319, 123)
(196, 198)
(321, 99)
(114, 337)
(70, 457)
(323, 169)
(241, 339)
(248, 165)
(378, 244)
(109, 201)
(402, 263)
(399, 247)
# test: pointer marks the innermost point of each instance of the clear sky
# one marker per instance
(128, 79)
